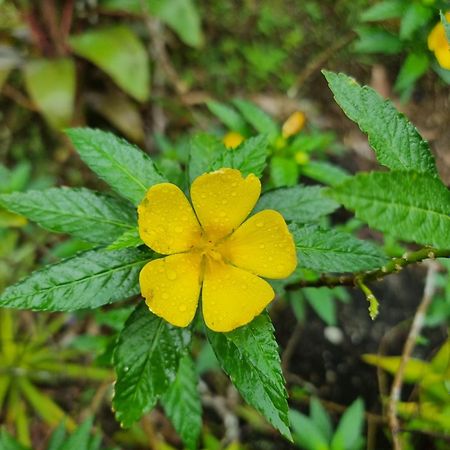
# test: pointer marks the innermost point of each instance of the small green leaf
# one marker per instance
(324, 172)
(57, 438)
(51, 85)
(88, 280)
(7, 442)
(249, 355)
(283, 171)
(257, 118)
(204, 149)
(387, 9)
(349, 431)
(80, 438)
(128, 239)
(415, 17)
(396, 142)
(414, 66)
(118, 52)
(411, 206)
(446, 24)
(321, 418)
(249, 157)
(377, 40)
(146, 360)
(83, 213)
(300, 204)
(306, 432)
(182, 403)
(334, 251)
(228, 116)
(323, 302)
(127, 169)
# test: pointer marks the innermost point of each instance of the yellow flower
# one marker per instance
(233, 139)
(294, 124)
(212, 250)
(437, 42)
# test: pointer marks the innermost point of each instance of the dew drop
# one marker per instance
(259, 224)
(262, 246)
(182, 308)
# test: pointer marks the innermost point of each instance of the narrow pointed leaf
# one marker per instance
(146, 360)
(80, 437)
(127, 169)
(249, 355)
(88, 280)
(85, 214)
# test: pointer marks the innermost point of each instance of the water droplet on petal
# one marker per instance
(259, 224)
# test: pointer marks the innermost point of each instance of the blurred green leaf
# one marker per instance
(7, 442)
(283, 171)
(415, 17)
(306, 432)
(387, 9)
(414, 66)
(81, 212)
(146, 360)
(119, 53)
(51, 85)
(324, 172)
(182, 403)
(228, 116)
(446, 24)
(126, 168)
(249, 355)
(57, 438)
(377, 40)
(88, 280)
(321, 418)
(348, 435)
(323, 303)
(300, 204)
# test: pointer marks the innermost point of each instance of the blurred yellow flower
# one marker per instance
(212, 250)
(437, 42)
(233, 139)
(294, 124)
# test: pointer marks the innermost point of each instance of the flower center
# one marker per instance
(208, 248)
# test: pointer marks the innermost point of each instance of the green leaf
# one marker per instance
(249, 355)
(388, 9)
(414, 66)
(249, 157)
(349, 431)
(446, 24)
(283, 171)
(51, 85)
(127, 169)
(204, 149)
(415, 17)
(128, 239)
(396, 142)
(83, 213)
(377, 40)
(301, 204)
(324, 172)
(89, 280)
(334, 251)
(80, 438)
(57, 438)
(321, 418)
(323, 303)
(411, 206)
(306, 432)
(228, 116)
(118, 52)
(182, 16)
(146, 360)
(182, 403)
(7, 442)
(257, 118)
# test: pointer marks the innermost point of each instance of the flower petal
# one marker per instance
(443, 57)
(171, 287)
(167, 223)
(262, 245)
(223, 199)
(232, 297)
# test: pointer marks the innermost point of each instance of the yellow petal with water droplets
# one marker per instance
(171, 287)
(167, 223)
(232, 297)
(262, 245)
(223, 199)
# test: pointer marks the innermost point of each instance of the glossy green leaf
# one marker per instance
(88, 280)
(306, 432)
(249, 355)
(51, 85)
(257, 118)
(327, 250)
(228, 116)
(387, 9)
(128, 239)
(182, 403)
(396, 142)
(127, 169)
(249, 157)
(146, 361)
(86, 214)
(411, 206)
(301, 204)
(348, 434)
(118, 52)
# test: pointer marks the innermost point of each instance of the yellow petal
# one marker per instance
(232, 297)
(233, 139)
(436, 38)
(294, 124)
(167, 223)
(171, 287)
(443, 57)
(223, 199)
(262, 245)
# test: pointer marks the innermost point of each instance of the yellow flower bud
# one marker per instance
(233, 139)
(301, 158)
(294, 124)
(437, 42)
